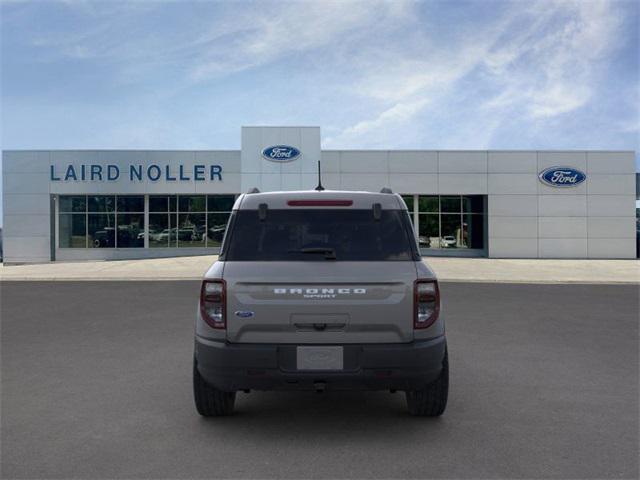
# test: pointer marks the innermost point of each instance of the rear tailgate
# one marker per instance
(319, 302)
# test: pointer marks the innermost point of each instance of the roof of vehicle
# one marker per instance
(324, 199)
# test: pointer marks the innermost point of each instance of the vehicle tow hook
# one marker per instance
(320, 386)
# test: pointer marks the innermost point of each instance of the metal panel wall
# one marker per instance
(29, 182)
(526, 218)
(26, 207)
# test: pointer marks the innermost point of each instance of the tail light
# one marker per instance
(426, 303)
(320, 203)
(213, 303)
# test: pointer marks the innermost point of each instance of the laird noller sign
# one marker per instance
(135, 173)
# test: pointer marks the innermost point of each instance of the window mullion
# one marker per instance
(86, 221)
(115, 223)
(206, 220)
(146, 221)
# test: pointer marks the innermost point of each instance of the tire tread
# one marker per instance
(432, 400)
(211, 402)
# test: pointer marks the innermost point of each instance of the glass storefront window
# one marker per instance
(159, 231)
(197, 221)
(220, 203)
(72, 230)
(173, 227)
(216, 226)
(192, 203)
(72, 203)
(163, 203)
(102, 203)
(473, 204)
(134, 204)
(429, 231)
(408, 200)
(101, 230)
(192, 221)
(428, 204)
(450, 204)
(473, 231)
(450, 231)
(451, 221)
(118, 221)
(191, 230)
(130, 230)
(158, 203)
(219, 210)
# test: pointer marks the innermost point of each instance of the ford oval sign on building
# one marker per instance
(562, 177)
(281, 153)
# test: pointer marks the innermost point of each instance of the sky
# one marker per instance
(372, 74)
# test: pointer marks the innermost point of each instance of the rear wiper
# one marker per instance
(329, 253)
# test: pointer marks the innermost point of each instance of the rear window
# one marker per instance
(319, 235)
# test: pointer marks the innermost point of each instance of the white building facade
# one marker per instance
(111, 204)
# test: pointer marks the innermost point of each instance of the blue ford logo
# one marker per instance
(244, 314)
(281, 153)
(562, 177)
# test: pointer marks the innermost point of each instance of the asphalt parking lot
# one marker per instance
(96, 383)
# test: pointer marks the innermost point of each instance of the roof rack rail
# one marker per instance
(254, 190)
(386, 190)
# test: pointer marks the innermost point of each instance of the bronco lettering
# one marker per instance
(316, 291)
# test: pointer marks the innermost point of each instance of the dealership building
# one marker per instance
(70, 205)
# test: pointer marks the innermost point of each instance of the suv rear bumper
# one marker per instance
(402, 366)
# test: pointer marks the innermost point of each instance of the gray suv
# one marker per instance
(320, 291)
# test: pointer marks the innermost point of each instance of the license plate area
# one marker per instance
(319, 358)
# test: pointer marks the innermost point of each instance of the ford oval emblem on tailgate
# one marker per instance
(562, 177)
(281, 153)
(244, 314)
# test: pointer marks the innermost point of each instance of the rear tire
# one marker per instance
(211, 402)
(432, 400)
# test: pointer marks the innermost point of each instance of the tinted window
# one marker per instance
(408, 200)
(192, 203)
(158, 203)
(473, 204)
(191, 229)
(220, 203)
(72, 228)
(131, 203)
(130, 230)
(216, 226)
(102, 203)
(428, 204)
(101, 229)
(450, 204)
(307, 235)
(159, 231)
(74, 203)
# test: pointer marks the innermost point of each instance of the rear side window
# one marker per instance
(320, 235)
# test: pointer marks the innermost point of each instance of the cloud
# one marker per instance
(261, 37)
(551, 67)
(400, 112)
(537, 60)
(229, 38)
(397, 74)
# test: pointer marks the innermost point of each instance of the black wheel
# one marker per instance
(432, 400)
(211, 402)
